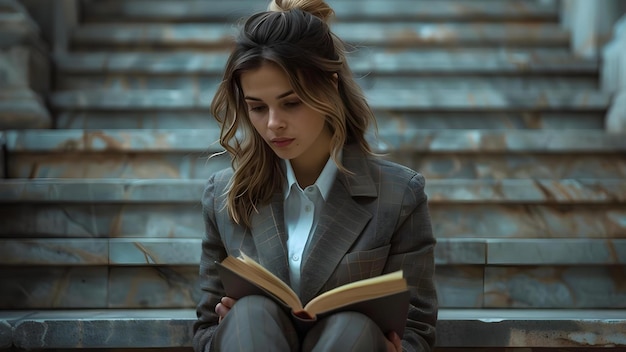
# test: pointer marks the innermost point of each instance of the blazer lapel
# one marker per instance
(268, 233)
(341, 222)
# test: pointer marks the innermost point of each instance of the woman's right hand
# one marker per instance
(222, 308)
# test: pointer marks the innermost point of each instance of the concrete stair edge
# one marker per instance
(75, 329)
(439, 191)
(389, 99)
(204, 141)
(364, 61)
(396, 10)
(186, 251)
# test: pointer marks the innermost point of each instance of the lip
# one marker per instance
(281, 142)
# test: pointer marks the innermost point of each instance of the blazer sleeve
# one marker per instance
(412, 249)
(210, 284)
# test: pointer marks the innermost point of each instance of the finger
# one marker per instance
(395, 340)
(221, 310)
(228, 302)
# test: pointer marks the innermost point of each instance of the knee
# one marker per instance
(256, 307)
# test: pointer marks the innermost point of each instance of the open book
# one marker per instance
(384, 299)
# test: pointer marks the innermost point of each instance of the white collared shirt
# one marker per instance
(302, 208)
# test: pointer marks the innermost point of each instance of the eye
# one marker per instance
(292, 103)
(256, 108)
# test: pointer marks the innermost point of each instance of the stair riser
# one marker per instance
(129, 81)
(176, 287)
(202, 11)
(146, 37)
(194, 165)
(386, 120)
(184, 220)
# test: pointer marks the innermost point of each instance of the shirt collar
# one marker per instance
(324, 181)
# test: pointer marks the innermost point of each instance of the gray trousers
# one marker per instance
(257, 323)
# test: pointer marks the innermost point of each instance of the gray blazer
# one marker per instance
(375, 221)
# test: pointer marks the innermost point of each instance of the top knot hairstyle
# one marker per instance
(317, 8)
(295, 36)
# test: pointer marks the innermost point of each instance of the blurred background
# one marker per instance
(514, 111)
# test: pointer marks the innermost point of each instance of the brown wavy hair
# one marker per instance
(295, 36)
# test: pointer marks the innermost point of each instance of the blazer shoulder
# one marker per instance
(391, 172)
(216, 185)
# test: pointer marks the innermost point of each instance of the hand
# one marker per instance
(222, 308)
(394, 344)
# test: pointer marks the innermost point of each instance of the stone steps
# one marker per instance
(163, 36)
(22, 108)
(388, 99)
(409, 69)
(386, 119)
(133, 273)
(100, 220)
(346, 10)
(439, 154)
(408, 108)
(165, 328)
(186, 251)
(481, 209)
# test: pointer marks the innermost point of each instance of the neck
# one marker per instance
(307, 173)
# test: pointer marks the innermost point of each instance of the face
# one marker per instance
(291, 128)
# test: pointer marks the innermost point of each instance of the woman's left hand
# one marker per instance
(394, 344)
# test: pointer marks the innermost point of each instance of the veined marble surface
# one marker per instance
(459, 286)
(365, 33)
(425, 100)
(186, 251)
(424, 11)
(508, 191)
(184, 220)
(467, 328)
(438, 154)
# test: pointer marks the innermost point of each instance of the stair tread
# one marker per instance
(383, 34)
(435, 141)
(602, 316)
(439, 191)
(186, 251)
(22, 108)
(497, 61)
(345, 10)
(456, 327)
(393, 99)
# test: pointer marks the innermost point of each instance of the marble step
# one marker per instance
(460, 329)
(362, 61)
(455, 219)
(446, 191)
(399, 100)
(22, 108)
(204, 36)
(375, 69)
(572, 286)
(438, 154)
(386, 119)
(186, 251)
(366, 81)
(346, 10)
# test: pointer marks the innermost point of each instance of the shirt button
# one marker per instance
(307, 208)
(295, 258)
(310, 189)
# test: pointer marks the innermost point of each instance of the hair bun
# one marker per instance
(317, 8)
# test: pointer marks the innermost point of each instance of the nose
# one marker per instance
(275, 120)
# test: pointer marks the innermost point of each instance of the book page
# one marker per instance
(358, 291)
(255, 272)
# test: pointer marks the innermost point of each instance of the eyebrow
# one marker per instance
(280, 96)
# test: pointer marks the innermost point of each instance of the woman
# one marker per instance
(306, 197)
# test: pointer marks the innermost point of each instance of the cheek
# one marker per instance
(256, 124)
